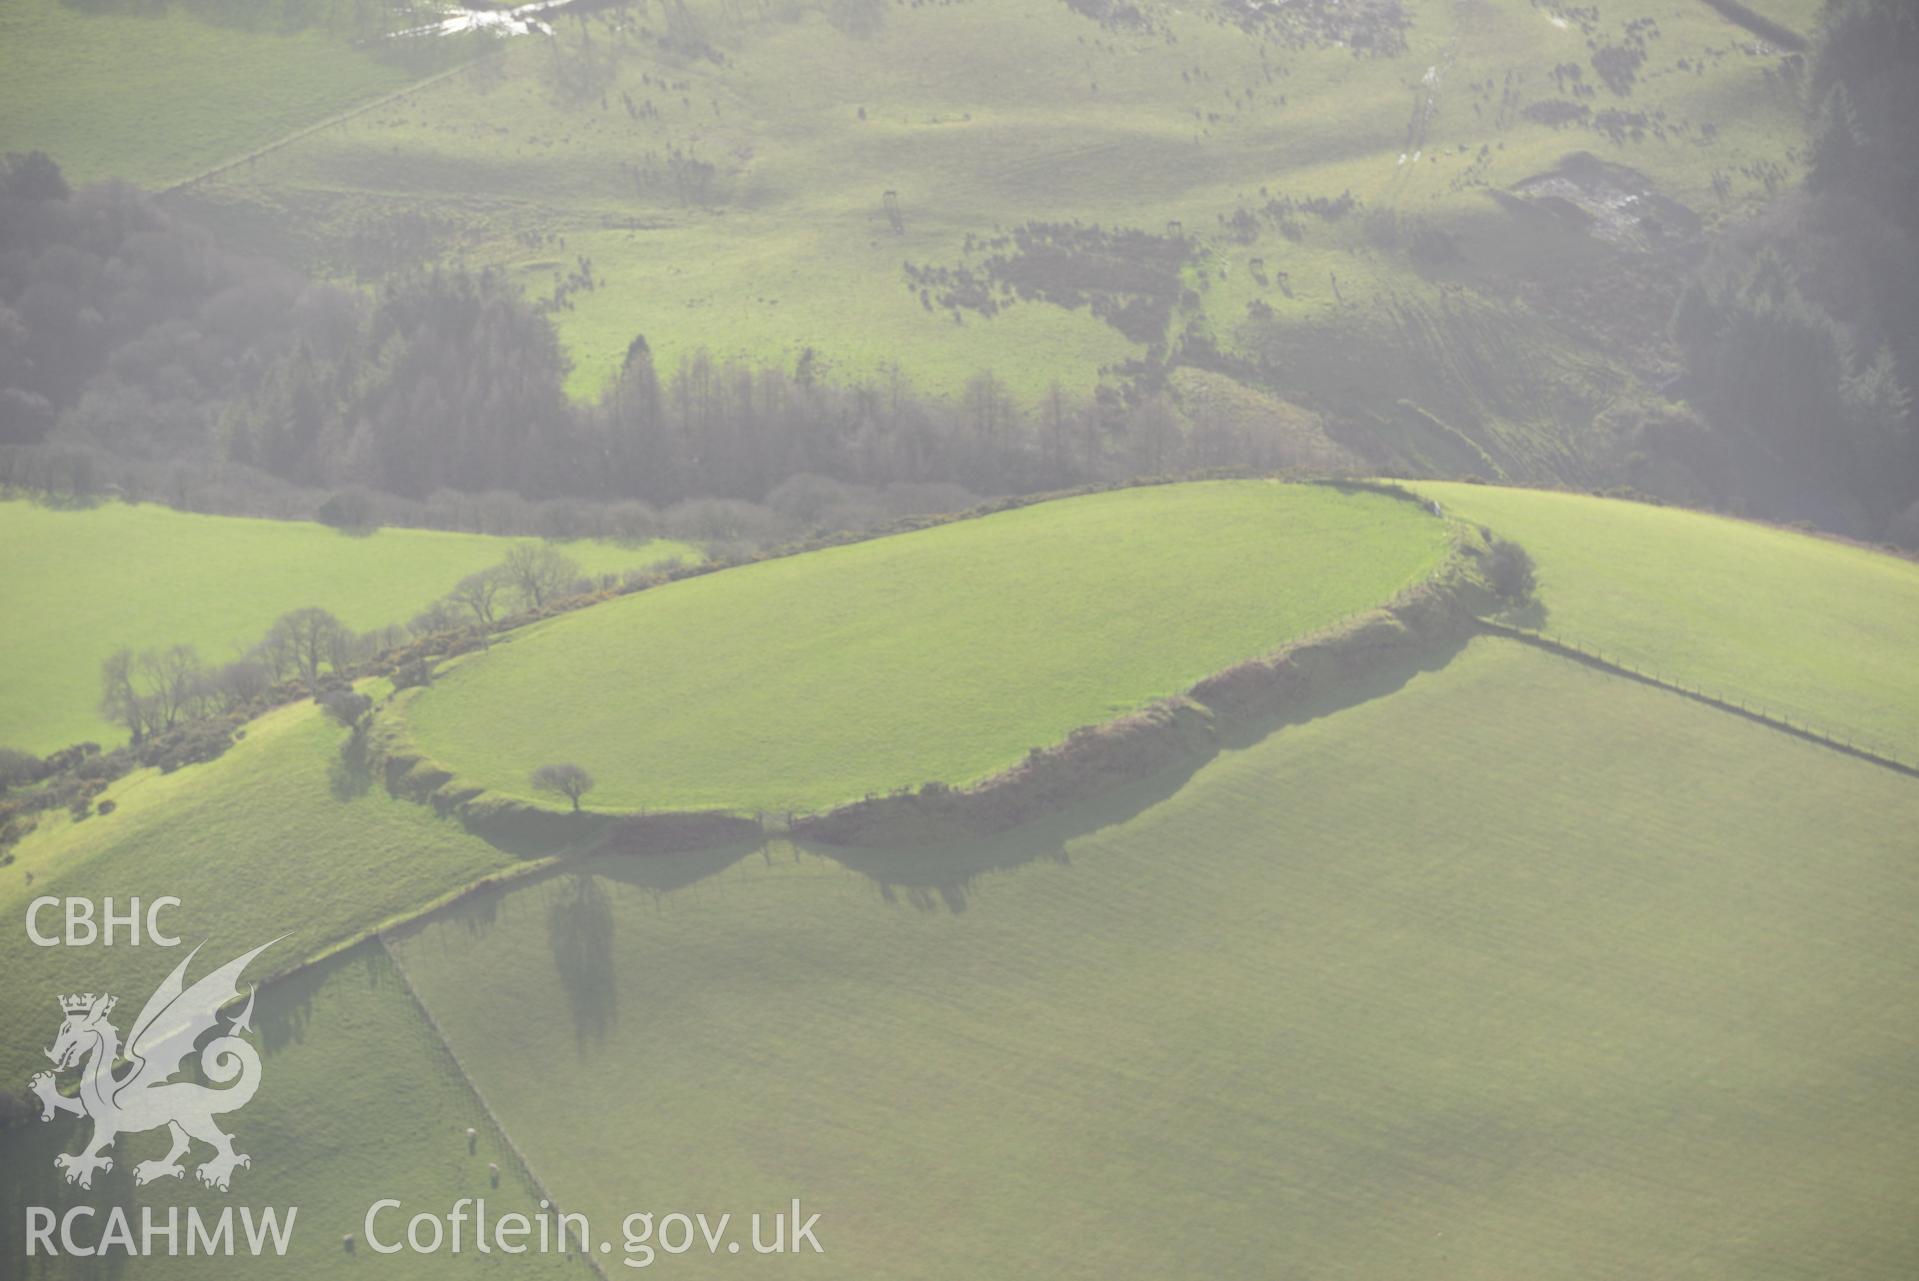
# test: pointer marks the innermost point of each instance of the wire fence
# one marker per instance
(333, 121)
(1851, 744)
(511, 1149)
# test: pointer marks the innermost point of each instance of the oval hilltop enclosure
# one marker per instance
(938, 655)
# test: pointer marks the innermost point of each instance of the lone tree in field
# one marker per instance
(565, 779)
(539, 573)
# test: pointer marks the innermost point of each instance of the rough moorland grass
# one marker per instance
(276, 837)
(937, 655)
(80, 584)
(1804, 627)
(1522, 971)
(157, 94)
(358, 1100)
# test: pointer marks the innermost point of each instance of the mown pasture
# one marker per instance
(84, 583)
(1522, 970)
(939, 655)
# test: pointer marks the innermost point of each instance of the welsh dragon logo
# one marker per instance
(129, 1090)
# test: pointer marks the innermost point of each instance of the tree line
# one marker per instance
(180, 710)
(1800, 334)
(155, 691)
(136, 350)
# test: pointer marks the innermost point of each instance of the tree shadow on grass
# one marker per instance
(579, 924)
(657, 873)
(284, 1007)
(581, 915)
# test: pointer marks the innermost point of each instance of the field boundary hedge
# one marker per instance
(1722, 702)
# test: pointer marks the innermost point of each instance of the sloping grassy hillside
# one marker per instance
(84, 583)
(358, 1100)
(153, 93)
(279, 836)
(725, 168)
(1524, 971)
(1803, 627)
(941, 654)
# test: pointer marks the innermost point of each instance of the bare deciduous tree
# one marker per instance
(153, 690)
(274, 653)
(119, 699)
(440, 616)
(307, 637)
(539, 573)
(566, 779)
(479, 594)
(171, 680)
(239, 683)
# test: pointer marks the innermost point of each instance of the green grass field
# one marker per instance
(156, 94)
(982, 117)
(1493, 966)
(1802, 627)
(358, 1099)
(276, 837)
(146, 576)
(937, 655)
(1523, 971)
